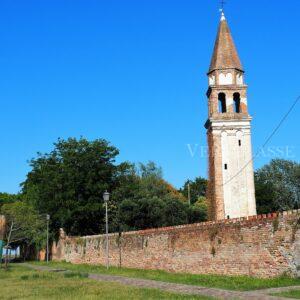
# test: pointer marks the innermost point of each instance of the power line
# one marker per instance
(266, 141)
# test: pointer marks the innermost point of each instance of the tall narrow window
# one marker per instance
(237, 102)
(222, 103)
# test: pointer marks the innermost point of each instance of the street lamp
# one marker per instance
(47, 254)
(189, 193)
(47, 234)
(106, 199)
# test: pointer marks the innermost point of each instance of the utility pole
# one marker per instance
(106, 230)
(106, 199)
(189, 193)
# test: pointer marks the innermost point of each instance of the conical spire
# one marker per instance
(225, 55)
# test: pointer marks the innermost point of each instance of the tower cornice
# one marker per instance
(229, 87)
(228, 119)
(224, 70)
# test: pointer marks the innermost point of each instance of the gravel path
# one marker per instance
(179, 288)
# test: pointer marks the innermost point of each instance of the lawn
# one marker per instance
(239, 283)
(295, 294)
(22, 283)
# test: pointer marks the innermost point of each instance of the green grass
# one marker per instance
(295, 294)
(19, 282)
(240, 283)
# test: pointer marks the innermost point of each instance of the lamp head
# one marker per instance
(106, 196)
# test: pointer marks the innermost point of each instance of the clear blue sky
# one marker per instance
(134, 72)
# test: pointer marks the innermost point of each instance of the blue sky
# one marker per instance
(134, 72)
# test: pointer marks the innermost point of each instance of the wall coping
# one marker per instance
(244, 220)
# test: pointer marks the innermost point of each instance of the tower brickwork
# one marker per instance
(231, 191)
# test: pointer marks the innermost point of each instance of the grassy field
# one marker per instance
(242, 283)
(22, 283)
(290, 294)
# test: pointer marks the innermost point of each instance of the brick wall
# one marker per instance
(2, 227)
(262, 246)
(215, 191)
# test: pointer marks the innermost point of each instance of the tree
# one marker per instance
(176, 211)
(127, 215)
(142, 213)
(24, 226)
(145, 206)
(126, 187)
(150, 213)
(264, 194)
(277, 186)
(199, 210)
(153, 202)
(68, 183)
(151, 184)
(198, 188)
(149, 170)
(137, 214)
(8, 198)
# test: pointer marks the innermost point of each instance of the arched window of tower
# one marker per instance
(237, 102)
(222, 103)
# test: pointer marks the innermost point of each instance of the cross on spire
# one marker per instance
(222, 2)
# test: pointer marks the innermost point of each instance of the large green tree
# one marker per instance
(156, 203)
(68, 183)
(277, 186)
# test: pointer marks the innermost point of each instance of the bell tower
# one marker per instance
(231, 179)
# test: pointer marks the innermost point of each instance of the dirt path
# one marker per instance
(178, 288)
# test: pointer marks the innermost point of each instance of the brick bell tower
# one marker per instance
(231, 179)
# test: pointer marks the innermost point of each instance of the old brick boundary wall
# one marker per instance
(2, 227)
(261, 246)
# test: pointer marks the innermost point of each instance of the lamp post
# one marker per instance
(189, 193)
(47, 253)
(106, 199)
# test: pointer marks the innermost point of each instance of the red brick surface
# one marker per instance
(225, 55)
(262, 246)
